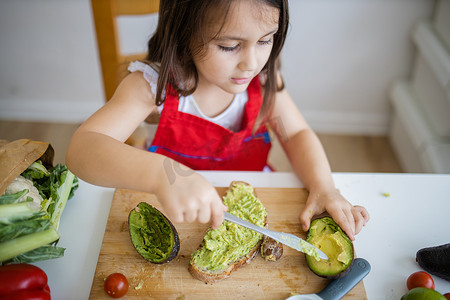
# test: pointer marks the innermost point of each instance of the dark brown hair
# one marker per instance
(181, 25)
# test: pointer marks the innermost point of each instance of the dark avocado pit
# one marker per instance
(152, 234)
(435, 260)
(326, 235)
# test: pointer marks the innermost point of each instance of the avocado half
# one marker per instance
(152, 234)
(326, 235)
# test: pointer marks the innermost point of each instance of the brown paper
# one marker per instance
(17, 156)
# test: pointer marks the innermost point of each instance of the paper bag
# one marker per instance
(17, 156)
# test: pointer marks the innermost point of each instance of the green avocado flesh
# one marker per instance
(326, 235)
(230, 242)
(152, 234)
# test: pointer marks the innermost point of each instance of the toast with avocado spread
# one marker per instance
(230, 246)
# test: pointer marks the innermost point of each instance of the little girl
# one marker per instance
(212, 74)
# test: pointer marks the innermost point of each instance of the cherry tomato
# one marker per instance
(447, 295)
(420, 279)
(116, 285)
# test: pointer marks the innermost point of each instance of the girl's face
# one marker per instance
(241, 49)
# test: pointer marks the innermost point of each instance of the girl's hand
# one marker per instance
(186, 196)
(350, 218)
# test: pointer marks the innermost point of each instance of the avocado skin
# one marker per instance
(435, 260)
(176, 246)
(339, 275)
(420, 293)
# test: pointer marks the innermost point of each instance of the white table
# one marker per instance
(414, 216)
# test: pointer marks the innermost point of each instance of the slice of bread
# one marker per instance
(207, 275)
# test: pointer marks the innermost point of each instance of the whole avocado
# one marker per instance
(420, 293)
(435, 260)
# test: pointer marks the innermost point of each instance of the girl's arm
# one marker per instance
(310, 163)
(97, 154)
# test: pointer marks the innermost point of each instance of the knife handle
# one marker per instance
(338, 288)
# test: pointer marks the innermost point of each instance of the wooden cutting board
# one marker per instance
(258, 280)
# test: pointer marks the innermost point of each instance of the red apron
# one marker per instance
(203, 145)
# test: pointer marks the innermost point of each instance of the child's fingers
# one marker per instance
(361, 217)
(204, 214)
(174, 214)
(306, 215)
(359, 223)
(364, 213)
(217, 210)
(351, 223)
(344, 220)
(190, 215)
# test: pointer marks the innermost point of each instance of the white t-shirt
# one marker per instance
(231, 118)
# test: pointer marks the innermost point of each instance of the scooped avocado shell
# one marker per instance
(152, 234)
(326, 235)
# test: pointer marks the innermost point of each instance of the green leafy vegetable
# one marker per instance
(36, 171)
(17, 229)
(13, 198)
(42, 253)
(27, 243)
(29, 228)
(10, 213)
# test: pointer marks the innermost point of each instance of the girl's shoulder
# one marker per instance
(145, 67)
(149, 71)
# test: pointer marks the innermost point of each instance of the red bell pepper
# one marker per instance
(23, 282)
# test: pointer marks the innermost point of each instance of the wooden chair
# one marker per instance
(113, 62)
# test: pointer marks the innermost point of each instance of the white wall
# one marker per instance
(342, 56)
(338, 62)
(48, 61)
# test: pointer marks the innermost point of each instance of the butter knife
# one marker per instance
(284, 238)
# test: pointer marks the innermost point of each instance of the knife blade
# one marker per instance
(284, 238)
